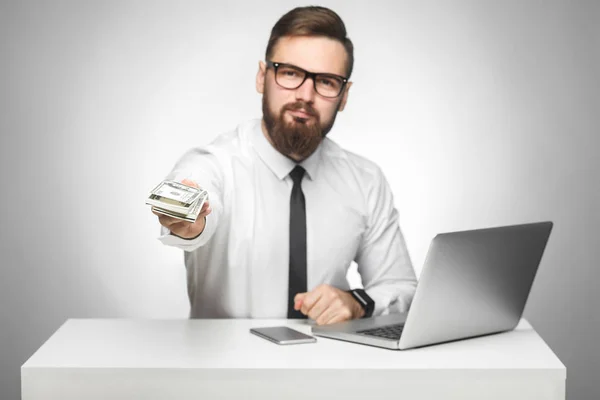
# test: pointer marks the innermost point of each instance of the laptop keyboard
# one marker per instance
(392, 332)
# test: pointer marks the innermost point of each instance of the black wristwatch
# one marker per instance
(367, 303)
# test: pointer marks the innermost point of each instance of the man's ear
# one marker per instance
(260, 77)
(344, 97)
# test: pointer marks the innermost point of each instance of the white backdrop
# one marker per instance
(479, 113)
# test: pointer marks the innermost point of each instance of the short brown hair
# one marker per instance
(312, 21)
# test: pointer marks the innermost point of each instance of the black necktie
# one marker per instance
(297, 276)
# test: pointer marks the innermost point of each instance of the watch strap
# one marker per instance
(365, 301)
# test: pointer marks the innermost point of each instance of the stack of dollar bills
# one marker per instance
(177, 200)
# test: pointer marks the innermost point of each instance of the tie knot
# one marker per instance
(297, 174)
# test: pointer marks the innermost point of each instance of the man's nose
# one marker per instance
(306, 91)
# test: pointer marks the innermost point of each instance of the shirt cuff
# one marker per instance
(391, 300)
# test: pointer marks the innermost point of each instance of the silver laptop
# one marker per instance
(473, 283)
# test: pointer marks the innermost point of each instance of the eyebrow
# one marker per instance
(304, 69)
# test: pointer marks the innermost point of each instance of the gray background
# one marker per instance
(479, 113)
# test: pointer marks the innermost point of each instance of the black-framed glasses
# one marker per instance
(289, 76)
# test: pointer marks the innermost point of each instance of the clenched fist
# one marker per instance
(327, 305)
(185, 229)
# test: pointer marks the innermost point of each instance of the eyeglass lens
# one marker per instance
(291, 78)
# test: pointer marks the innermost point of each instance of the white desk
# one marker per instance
(219, 359)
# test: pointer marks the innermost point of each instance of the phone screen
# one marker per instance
(283, 335)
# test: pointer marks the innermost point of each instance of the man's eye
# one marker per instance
(290, 73)
(327, 82)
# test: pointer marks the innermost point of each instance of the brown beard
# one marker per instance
(300, 137)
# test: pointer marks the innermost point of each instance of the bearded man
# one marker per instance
(289, 209)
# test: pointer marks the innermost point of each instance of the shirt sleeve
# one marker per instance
(383, 260)
(201, 166)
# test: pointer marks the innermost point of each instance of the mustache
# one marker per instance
(301, 105)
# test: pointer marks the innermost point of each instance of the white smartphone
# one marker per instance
(283, 335)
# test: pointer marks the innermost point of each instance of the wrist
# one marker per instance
(364, 301)
(192, 237)
(359, 311)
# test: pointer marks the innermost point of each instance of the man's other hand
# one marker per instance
(327, 305)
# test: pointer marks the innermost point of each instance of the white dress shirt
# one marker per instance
(238, 267)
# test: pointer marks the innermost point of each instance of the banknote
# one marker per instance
(177, 200)
(175, 191)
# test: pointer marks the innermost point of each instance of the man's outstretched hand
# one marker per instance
(186, 229)
(327, 305)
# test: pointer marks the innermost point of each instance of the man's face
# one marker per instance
(297, 120)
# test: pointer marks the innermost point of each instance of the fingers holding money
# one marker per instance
(206, 206)
(171, 222)
(183, 229)
(205, 210)
(181, 207)
(167, 221)
(190, 183)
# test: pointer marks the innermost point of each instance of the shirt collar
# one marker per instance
(277, 162)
